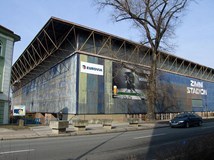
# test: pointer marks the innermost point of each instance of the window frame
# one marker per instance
(1, 48)
(2, 60)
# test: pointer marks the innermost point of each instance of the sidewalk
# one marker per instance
(45, 131)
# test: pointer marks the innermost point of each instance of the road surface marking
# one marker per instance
(155, 135)
(207, 127)
(18, 151)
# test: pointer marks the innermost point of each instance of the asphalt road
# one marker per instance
(124, 145)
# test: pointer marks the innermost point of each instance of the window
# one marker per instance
(2, 53)
(1, 112)
(0, 82)
(1, 49)
(197, 103)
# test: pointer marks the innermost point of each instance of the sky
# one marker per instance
(193, 40)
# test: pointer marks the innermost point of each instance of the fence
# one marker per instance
(167, 116)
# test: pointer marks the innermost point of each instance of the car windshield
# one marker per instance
(181, 116)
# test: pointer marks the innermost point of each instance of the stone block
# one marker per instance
(133, 122)
(58, 124)
(80, 125)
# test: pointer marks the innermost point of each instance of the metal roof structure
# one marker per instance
(59, 39)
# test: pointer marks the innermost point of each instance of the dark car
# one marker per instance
(186, 120)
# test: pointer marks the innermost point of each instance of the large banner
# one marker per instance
(19, 110)
(129, 82)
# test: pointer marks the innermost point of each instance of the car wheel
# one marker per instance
(199, 123)
(187, 124)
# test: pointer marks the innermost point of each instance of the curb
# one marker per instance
(82, 133)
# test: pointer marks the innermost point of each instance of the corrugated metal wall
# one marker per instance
(179, 93)
(95, 92)
(91, 89)
(64, 87)
(53, 91)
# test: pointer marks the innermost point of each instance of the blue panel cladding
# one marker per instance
(95, 89)
(77, 83)
(92, 95)
(101, 91)
(209, 99)
(179, 92)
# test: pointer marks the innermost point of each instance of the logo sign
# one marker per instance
(19, 110)
(196, 87)
(91, 68)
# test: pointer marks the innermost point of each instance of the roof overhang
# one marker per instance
(9, 33)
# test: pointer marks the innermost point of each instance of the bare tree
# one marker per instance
(157, 19)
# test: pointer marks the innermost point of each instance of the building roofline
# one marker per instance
(120, 38)
(96, 30)
(107, 34)
(10, 33)
(54, 24)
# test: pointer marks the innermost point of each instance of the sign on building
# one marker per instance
(129, 82)
(19, 110)
(91, 68)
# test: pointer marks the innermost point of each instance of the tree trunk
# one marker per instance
(151, 101)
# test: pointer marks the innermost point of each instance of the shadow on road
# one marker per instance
(184, 143)
(86, 153)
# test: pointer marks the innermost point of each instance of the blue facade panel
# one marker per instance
(175, 93)
(188, 94)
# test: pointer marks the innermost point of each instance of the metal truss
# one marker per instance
(46, 50)
(125, 51)
(180, 66)
(59, 38)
